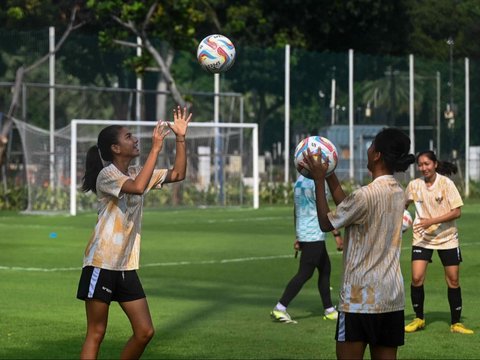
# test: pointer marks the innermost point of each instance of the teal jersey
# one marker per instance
(307, 227)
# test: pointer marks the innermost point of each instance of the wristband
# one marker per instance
(180, 139)
(338, 233)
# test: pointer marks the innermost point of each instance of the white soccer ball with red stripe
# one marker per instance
(318, 145)
(407, 221)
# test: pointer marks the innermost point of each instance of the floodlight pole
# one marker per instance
(139, 85)
(438, 115)
(218, 145)
(287, 113)
(451, 119)
(51, 91)
(332, 98)
(138, 95)
(467, 127)
(350, 113)
(412, 112)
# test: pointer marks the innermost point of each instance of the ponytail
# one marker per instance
(93, 166)
(99, 153)
(443, 167)
(446, 168)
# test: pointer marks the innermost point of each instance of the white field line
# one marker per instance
(211, 221)
(183, 263)
(177, 263)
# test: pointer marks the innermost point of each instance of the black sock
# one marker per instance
(417, 294)
(455, 301)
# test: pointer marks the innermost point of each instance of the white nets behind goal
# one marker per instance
(222, 165)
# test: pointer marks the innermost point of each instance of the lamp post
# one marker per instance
(450, 110)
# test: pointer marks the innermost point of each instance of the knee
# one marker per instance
(96, 333)
(417, 280)
(453, 283)
(145, 334)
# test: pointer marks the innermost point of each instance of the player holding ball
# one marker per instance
(372, 299)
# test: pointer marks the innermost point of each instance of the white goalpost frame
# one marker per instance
(73, 153)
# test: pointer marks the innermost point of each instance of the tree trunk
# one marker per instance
(162, 87)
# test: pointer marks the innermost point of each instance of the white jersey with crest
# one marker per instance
(115, 242)
(430, 202)
(372, 217)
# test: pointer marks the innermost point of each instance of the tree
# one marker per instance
(173, 22)
(433, 22)
(17, 12)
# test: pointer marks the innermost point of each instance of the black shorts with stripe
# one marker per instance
(109, 285)
(385, 329)
(449, 257)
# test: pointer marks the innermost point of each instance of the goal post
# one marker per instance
(229, 149)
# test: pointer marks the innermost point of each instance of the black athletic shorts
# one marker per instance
(109, 285)
(448, 257)
(385, 329)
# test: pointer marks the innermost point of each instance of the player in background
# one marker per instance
(112, 254)
(372, 299)
(310, 240)
(437, 205)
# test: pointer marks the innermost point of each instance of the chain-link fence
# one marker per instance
(94, 83)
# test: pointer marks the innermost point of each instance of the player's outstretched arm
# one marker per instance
(179, 126)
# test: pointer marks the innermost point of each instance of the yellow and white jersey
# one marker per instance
(372, 217)
(115, 242)
(430, 202)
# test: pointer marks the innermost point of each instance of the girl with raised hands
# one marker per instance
(112, 254)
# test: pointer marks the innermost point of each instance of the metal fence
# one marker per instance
(93, 83)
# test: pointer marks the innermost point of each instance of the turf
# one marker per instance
(211, 278)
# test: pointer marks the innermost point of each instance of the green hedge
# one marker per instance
(271, 193)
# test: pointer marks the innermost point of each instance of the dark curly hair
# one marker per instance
(394, 146)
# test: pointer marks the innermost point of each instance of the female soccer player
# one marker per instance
(372, 300)
(112, 254)
(437, 205)
(311, 241)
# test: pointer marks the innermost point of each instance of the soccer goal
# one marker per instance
(222, 162)
(222, 165)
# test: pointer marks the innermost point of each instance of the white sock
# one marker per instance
(280, 307)
(329, 310)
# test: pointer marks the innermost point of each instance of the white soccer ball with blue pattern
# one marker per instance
(216, 53)
(317, 145)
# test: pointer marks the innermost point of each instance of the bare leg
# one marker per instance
(419, 270)
(97, 318)
(350, 350)
(383, 353)
(452, 276)
(142, 326)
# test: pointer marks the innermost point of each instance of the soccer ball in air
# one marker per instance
(319, 146)
(407, 220)
(216, 53)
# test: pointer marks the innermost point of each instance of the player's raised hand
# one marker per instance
(317, 165)
(159, 132)
(180, 121)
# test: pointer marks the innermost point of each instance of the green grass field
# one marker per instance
(211, 278)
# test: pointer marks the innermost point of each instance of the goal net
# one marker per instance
(222, 165)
